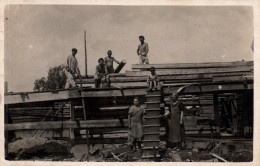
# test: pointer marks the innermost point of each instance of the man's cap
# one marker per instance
(74, 49)
(109, 51)
(152, 68)
(141, 36)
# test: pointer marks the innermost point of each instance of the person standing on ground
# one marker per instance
(72, 69)
(109, 61)
(135, 124)
(176, 136)
(101, 73)
(142, 51)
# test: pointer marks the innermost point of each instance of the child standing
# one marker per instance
(152, 80)
(135, 124)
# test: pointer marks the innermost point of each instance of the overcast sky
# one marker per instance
(38, 37)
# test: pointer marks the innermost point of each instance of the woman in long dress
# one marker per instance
(176, 135)
(135, 124)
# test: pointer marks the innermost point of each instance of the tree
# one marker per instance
(56, 79)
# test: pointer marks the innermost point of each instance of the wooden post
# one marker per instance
(234, 118)
(72, 118)
(216, 113)
(6, 87)
(86, 61)
(6, 131)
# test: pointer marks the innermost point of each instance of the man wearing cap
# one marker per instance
(109, 61)
(142, 51)
(71, 69)
(101, 73)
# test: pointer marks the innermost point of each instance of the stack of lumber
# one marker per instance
(107, 108)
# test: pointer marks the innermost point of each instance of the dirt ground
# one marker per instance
(42, 149)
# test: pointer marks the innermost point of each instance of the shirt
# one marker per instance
(73, 64)
(143, 49)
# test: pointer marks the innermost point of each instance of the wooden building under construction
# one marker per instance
(220, 104)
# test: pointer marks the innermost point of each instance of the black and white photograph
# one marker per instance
(129, 83)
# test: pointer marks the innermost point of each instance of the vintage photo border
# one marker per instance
(254, 3)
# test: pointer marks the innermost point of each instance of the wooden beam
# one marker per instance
(67, 124)
(191, 71)
(216, 113)
(39, 97)
(193, 65)
(72, 118)
(210, 88)
(177, 78)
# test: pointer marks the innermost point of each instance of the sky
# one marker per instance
(38, 37)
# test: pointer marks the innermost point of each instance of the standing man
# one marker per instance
(109, 61)
(101, 73)
(71, 69)
(142, 51)
(135, 124)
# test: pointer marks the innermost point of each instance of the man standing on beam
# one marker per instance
(71, 69)
(142, 51)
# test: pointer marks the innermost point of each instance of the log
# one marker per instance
(193, 65)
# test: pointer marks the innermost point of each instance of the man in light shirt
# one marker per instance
(142, 51)
(72, 69)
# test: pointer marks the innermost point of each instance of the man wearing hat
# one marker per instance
(142, 51)
(71, 69)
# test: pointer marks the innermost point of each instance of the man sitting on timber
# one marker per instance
(153, 80)
(101, 73)
(142, 51)
(135, 124)
(71, 69)
(109, 61)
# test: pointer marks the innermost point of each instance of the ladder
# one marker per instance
(151, 125)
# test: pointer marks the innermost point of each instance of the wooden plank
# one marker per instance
(210, 88)
(67, 124)
(230, 78)
(112, 93)
(38, 97)
(120, 66)
(177, 78)
(193, 65)
(191, 71)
